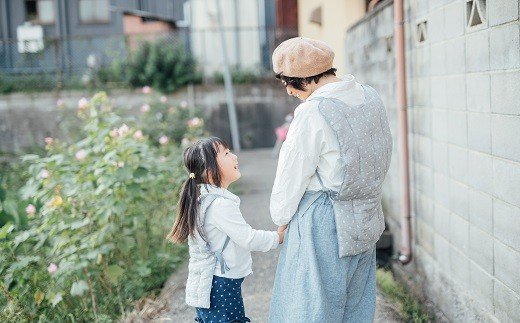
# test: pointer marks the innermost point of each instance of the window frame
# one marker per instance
(37, 20)
(94, 21)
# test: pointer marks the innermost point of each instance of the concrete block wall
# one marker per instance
(463, 86)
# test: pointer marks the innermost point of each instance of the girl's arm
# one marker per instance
(229, 219)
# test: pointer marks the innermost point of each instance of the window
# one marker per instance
(94, 11)
(39, 11)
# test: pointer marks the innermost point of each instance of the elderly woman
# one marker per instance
(328, 190)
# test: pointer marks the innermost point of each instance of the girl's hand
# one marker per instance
(281, 233)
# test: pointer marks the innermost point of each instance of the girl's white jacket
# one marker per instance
(221, 219)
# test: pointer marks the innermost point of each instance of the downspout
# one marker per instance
(405, 255)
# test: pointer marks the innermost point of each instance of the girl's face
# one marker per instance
(228, 166)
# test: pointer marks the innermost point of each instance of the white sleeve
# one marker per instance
(297, 163)
(229, 219)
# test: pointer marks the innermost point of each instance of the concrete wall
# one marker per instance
(464, 121)
(25, 120)
(336, 17)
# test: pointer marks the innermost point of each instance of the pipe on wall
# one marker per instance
(405, 255)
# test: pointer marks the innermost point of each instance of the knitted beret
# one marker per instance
(302, 57)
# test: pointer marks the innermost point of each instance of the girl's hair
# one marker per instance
(201, 160)
(300, 82)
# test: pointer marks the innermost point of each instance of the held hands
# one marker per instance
(281, 232)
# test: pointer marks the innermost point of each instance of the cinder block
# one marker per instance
(459, 233)
(438, 59)
(506, 176)
(436, 25)
(479, 132)
(507, 263)
(459, 263)
(454, 19)
(425, 206)
(458, 128)
(440, 157)
(477, 51)
(502, 11)
(506, 226)
(478, 92)
(505, 133)
(421, 61)
(442, 220)
(456, 92)
(425, 236)
(423, 151)
(441, 252)
(504, 42)
(422, 121)
(480, 170)
(424, 179)
(481, 248)
(458, 163)
(481, 286)
(442, 189)
(440, 124)
(505, 96)
(455, 56)
(507, 303)
(481, 210)
(459, 199)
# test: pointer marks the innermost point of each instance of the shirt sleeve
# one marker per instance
(229, 220)
(297, 163)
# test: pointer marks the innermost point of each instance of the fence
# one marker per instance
(69, 62)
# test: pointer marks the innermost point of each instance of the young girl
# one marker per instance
(220, 241)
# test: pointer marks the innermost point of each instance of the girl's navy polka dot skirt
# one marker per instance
(226, 303)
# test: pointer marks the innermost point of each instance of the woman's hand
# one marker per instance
(281, 232)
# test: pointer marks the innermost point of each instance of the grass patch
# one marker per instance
(408, 307)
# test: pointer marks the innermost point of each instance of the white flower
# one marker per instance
(30, 209)
(120, 164)
(81, 154)
(60, 103)
(163, 159)
(163, 140)
(145, 108)
(194, 122)
(138, 135)
(49, 140)
(185, 142)
(82, 103)
(44, 174)
(123, 130)
(147, 89)
(184, 104)
(52, 268)
(163, 99)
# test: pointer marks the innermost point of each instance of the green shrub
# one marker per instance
(95, 240)
(161, 65)
(238, 75)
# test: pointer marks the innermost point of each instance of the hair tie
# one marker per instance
(192, 175)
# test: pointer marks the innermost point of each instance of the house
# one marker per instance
(43, 35)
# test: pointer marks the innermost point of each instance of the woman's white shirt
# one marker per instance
(310, 146)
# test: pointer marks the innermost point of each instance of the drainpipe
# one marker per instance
(405, 255)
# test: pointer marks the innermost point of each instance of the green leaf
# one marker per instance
(140, 172)
(30, 157)
(56, 299)
(2, 194)
(38, 297)
(114, 272)
(5, 230)
(78, 288)
(124, 173)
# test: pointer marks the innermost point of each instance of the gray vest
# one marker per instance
(365, 145)
(202, 261)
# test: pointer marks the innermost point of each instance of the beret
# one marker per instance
(302, 57)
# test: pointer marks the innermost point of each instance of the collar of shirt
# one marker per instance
(212, 189)
(347, 82)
